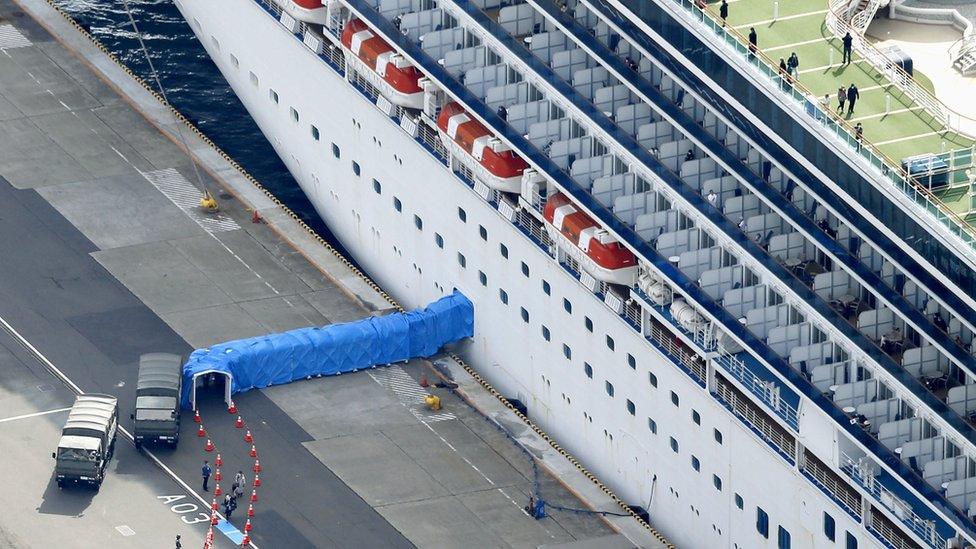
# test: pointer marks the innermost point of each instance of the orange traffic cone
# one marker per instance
(219, 462)
(217, 490)
(254, 496)
(196, 417)
(248, 437)
(250, 510)
(213, 519)
(232, 409)
(257, 466)
(213, 506)
(200, 432)
(247, 525)
(246, 542)
(257, 480)
(209, 446)
(254, 451)
(217, 475)
(239, 423)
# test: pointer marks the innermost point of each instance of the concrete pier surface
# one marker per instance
(106, 255)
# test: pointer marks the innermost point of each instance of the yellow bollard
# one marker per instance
(433, 402)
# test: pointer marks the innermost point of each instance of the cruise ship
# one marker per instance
(747, 312)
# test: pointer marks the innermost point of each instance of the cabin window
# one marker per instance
(588, 323)
(462, 215)
(419, 223)
(652, 425)
(610, 343)
(377, 187)
(483, 278)
(525, 315)
(503, 296)
(608, 387)
(717, 482)
(461, 260)
(674, 445)
(294, 114)
(439, 240)
(631, 361)
(739, 502)
(483, 232)
(674, 398)
(355, 168)
(398, 206)
(851, 541)
(315, 133)
(216, 43)
(545, 333)
(696, 417)
(695, 464)
(525, 270)
(718, 435)
(546, 288)
(234, 61)
(273, 95)
(335, 151)
(503, 249)
(762, 522)
(782, 538)
(254, 78)
(631, 407)
(567, 352)
(588, 370)
(652, 379)
(568, 306)
(829, 527)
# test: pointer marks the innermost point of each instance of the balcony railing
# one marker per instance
(747, 411)
(861, 471)
(767, 391)
(834, 485)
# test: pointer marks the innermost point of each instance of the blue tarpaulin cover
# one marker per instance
(281, 358)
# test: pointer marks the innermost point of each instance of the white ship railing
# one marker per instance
(862, 19)
(767, 391)
(950, 223)
(744, 409)
(862, 471)
(840, 490)
(688, 360)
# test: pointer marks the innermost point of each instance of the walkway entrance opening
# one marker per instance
(210, 384)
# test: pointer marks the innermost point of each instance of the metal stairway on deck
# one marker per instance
(962, 54)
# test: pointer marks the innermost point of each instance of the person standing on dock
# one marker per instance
(848, 45)
(841, 99)
(723, 11)
(205, 473)
(753, 40)
(793, 65)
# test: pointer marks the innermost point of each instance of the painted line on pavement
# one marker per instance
(38, 355)
(35, 414)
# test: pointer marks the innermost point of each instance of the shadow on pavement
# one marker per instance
(72, 501)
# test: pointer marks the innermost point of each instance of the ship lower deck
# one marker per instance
(106, 256)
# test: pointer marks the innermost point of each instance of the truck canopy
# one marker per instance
(92, 416)
(159, 375)
(78, 443)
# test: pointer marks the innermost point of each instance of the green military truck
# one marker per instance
(87, 440)
(157, 415)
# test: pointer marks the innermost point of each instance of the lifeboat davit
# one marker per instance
(382, 66)
(597, 252)
(309, 11)
(491, 161)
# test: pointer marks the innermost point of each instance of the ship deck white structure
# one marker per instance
(782, 369)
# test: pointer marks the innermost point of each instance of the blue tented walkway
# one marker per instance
(282, 358)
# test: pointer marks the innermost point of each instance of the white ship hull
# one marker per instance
(599, 429)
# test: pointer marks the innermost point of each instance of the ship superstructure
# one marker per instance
(677, 267)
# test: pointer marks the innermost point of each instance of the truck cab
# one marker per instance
(87, 440)
(157, 415)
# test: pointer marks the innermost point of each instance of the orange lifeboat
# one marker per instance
(599, 253)
(309, 11)
(499, 167)
(378, 62)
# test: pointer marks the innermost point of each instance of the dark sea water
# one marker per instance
(193, 85)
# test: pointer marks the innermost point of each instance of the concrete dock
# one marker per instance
(106, 256)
